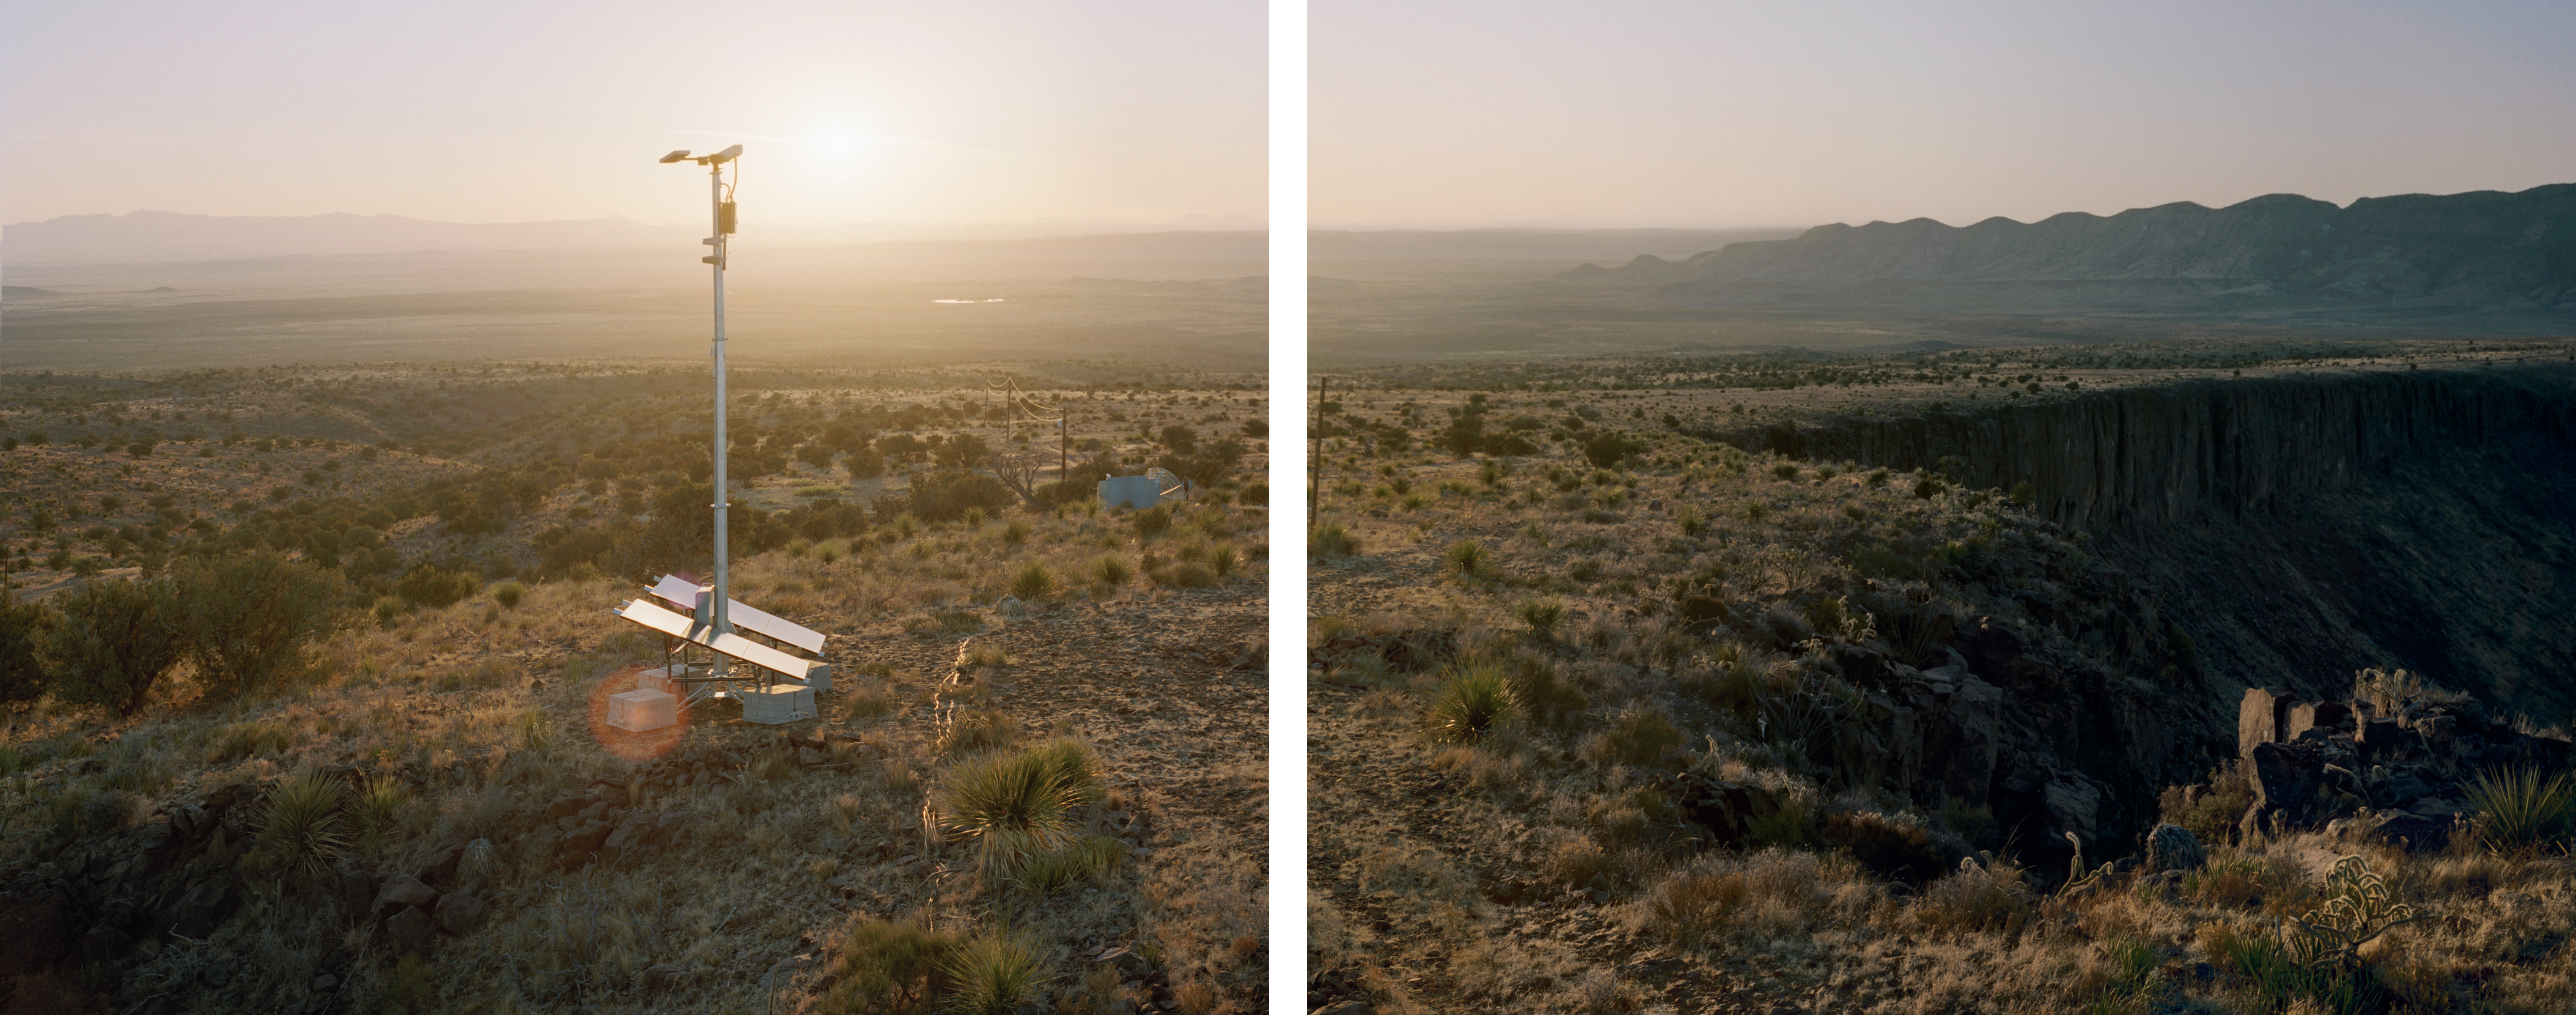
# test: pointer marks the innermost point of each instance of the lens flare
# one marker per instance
(632, 745)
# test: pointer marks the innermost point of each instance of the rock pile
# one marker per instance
(2399, 775)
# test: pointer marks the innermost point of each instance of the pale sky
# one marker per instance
(984, 112)
(1688, 113)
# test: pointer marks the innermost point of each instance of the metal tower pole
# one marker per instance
(720, 623)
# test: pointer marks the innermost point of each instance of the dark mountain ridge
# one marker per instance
(2484, 250)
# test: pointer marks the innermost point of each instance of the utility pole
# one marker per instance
(721, 212)
(1315, 457)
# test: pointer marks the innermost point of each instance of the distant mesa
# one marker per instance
(2479, 250)
(25, 292)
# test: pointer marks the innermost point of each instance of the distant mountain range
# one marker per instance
(164, 236)
(2485, 250)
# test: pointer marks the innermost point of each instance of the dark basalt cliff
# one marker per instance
(2294, 530)
(2484, 250)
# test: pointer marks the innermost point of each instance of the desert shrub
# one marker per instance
(1785, 470)
(1986, 893)
(1071, 764)
(2233, 882)
(946, 495)
(2209, 812)
(1897, 847)
(509, 595)
(248, 739)
(976, 730)
(1085, 859)
(889, 967)
(1152, 522)
(1466, 559)
(1223, 559)
(1033, 582)
(1543, 617)
(1475, 699)
(376, 808)
(2276, 977)
(2519, 811)
(1543, 695)
(427, 585)
(406, 987)
(248, 618)
(989, 975)
(1184, 575)
(1607, 448)
(302, 827)
(1013, 804)
(1015, 533)
(23, 628)
(869, 703)
(1112, 570)
(1636, 737)
(1772, 892)
(1331, 538)
(114, 641)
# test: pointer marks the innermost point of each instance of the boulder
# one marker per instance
(2307, 715)
(440, 870)
(104, 943)
(2440, 733)
(204, 906)
(2174, 848)
(2074, 802)
(2283, 781)
(409, 930)
(2415, 832)
(461, 914)
(38, 925)
(2260, 715)
(1962, 738)
(402, 891)
(2378, 737)
(581, 846)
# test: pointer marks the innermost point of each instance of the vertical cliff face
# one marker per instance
(2156, 455)
(2302, 528)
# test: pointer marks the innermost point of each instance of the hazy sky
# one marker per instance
(1692, 113)
(1137, 110)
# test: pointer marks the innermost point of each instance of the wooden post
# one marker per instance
(1315, 467)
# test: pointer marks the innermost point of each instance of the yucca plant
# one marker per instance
(989, 975)
(1332, 539)
(1543, 617)
(1084, 859)
(1070, 762)
(2518, 810)
(1033, 582)
(1475, 699)
(303, 825)
(1467, 559)
(376, 808)
(1015, 533)
(1223, 558)
(1112, 570)
(1013, 804)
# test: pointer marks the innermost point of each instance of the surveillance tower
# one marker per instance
(720, 197)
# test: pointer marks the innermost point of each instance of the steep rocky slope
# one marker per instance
(2300, 527)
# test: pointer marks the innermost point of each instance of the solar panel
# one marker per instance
(684, 594)
(731, 645)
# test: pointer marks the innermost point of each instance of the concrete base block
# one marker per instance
(637, 711)
(777, 704)
(820, 677)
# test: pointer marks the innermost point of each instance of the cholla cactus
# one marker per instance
(2400, 693)
(2357, 908)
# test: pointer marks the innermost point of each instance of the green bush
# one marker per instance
(1476, 699)
(1085, 859)
(1542, 694)
(376, 808)
(1015, 533)
(1635, 738)
(508, 594)
(428, 585)
(946, 495)
(248, 618)
(115, 640)
(1222, 559)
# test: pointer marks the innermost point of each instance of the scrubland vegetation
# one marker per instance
(1610, 717)
(1036, 779)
